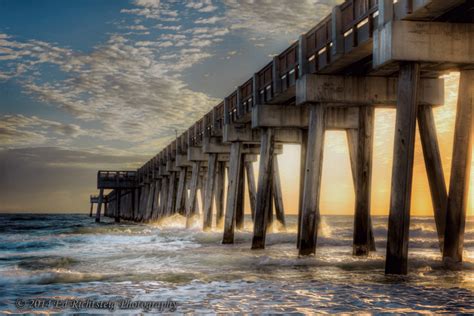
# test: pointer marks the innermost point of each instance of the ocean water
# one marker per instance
(71, 257)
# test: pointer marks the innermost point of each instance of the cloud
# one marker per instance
(20, 131)
(276, 17)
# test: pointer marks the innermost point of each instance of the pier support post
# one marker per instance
(362, 228)
(219, 195)
(149, 202)
(312, 180)
(171, 194)
(402, 170)
(434, 168)
(164, 195)
(191, 202)
(209, 190)
(460, 172)
(352, 141)
(156, 200)
(251, 186)
(180, 207)
(232, 192)
(264, 189)
(239, 213)
(99, 205)
(92, 208)
(304, 143)
(277, 193)
(118, 198)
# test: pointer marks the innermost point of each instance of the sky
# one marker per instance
(105, 84)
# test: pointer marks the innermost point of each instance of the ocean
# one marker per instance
(69, 257)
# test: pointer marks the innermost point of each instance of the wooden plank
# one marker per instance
(264, 197)
(303, 146)
(180, 206)
(99, 205)
(251, 187)
(209, 190)
(277, 193)
(434, 168)
(310, 217)
(192, 192)
(402, 170)
(460, 171)
(219, 195)
(365, 137)
(232, 192)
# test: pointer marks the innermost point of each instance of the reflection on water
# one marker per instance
(70, 256)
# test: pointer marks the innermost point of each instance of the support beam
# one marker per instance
(251, 187)
(277, 193)
(232, 192)
(164, 196)
(171, 194)
(209, 190)
(219, 195)
(303, 146)
(99, 205)
(310, 218)
(190, 205)
(460, 171)
(264, 197)
(180, 207)
(434, 168)
(118, 200)
(239, 213)
(402, 170)
(149, 202)
(352, 141)
(365, 138)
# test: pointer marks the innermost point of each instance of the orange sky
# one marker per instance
(337, 194)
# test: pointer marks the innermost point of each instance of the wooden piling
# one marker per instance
(264, 196)
(149, 202)
(164, 196)
(232, 192)
(209, 190)
(352, 141)
(402, 170)
(310, 218)
(277, 193)
(303, 146)
(361, 239)
(239, 212)
(193, 192)
(180, 206)
(219, 194)
(460, 172)
(99, 205)
(171, 194)
(434, 168)
(118, 200)
(92, 208)
(251, 187)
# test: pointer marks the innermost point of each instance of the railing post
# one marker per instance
(276, 79)
(302, 53)
(255, 93)
(336, 32)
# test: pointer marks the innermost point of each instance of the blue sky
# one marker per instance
(109, 81)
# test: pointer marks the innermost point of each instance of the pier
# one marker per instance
(365, 55)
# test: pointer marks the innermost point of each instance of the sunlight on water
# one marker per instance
(71, 256)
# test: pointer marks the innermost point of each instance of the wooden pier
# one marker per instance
(365, 54)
